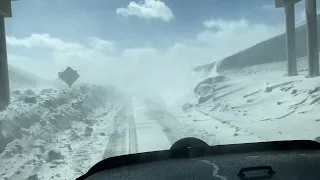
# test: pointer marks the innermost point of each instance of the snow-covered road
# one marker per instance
(141, 125)
(155, 129)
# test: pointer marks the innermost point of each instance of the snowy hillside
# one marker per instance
(271, 50)
(256, 103)
(23, 79)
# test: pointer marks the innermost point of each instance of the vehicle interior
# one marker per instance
(193, 159)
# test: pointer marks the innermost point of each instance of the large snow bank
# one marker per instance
(40, 123)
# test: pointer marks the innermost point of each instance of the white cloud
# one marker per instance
(220, 24)
(148, 9)
(101, 45)
(227, 37)
(44, 40)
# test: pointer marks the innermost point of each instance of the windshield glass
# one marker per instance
(91, 79)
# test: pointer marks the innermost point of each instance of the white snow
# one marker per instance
(72, 122)
(243, 109)
(56, 133)
(149, 132)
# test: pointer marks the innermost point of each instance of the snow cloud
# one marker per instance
(148, 9)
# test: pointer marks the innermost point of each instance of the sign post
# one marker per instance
(291, 34)
(5, 11)
(312, 37)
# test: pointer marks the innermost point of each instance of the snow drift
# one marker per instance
(253, 104)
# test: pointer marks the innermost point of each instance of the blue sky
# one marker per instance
(77, 19)
(147, 43)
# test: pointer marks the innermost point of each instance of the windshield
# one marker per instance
(88, 80)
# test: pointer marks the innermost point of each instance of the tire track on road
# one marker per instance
(133, 143)
(116, 140)
(123, 139)
(171, 126)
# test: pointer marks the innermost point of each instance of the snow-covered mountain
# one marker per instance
(23, 79)
(271, 50)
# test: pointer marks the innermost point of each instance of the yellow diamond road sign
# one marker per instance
(5, 8)
(69, 76)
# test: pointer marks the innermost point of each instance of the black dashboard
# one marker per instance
(285, 160)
